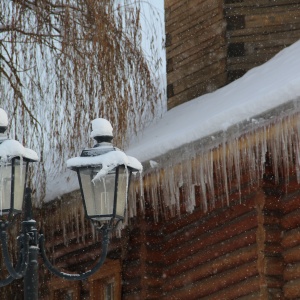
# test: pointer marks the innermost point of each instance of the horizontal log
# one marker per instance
(273, 249)
(132, 271)
(198, 223)
(131, 287)
(182, 59)
(247, 60)
(196, 63)
(291, 289)
(239, 290)
(260, 10)
(292, 255)
(273, 18)
(244, 240)
(200, 76)
(179, 16)
(194, 24)
(67, 250)
(199, 289)
(291, 238)
(212, 237)
(247, 35)
(196, 91)
(197, 40)
(229, 261)
(260, 3)
(274, 266)
(291, 220)
(291, 201)
(273, 235)
(292, 272)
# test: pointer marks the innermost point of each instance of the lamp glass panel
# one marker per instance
(98, 195)
(19, 184)
(5, 187)
(122, 191)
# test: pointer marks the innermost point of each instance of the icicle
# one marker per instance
(82, 226)
(217, 168)
(203, 186)
(141, 190)
(64, 233)
(224, 165)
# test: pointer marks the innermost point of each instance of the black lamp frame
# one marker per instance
(12, 211)
(112, 216)
(31, 244)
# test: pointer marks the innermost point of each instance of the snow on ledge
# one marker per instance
(261, 89)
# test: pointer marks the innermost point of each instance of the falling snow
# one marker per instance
(207, 142)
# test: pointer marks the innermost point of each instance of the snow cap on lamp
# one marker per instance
(3, 121)
(101, 127)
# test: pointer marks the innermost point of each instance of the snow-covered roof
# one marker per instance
(261, 89)
(269, 87)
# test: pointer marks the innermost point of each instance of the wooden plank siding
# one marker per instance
(210, 43)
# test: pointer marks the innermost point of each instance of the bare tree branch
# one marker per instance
(63, 63)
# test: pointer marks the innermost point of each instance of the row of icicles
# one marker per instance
(209, 174)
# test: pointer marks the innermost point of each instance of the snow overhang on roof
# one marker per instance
(259, 111)
(259, 91)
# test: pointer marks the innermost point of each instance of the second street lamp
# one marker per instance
(104, 175)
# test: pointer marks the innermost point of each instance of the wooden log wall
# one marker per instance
(196, 50)
(291, 240)
(228, 253)
(142, 265)
(231, 253)
(257, 30)
(210, 43)
(249, 250)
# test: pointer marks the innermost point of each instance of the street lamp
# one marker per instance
(104, 175)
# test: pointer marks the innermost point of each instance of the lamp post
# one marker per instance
(104, 175)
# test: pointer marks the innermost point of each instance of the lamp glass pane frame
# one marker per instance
(13, 179)
(118, 177)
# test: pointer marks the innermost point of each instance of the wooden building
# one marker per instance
(220, 217)
(210, 43)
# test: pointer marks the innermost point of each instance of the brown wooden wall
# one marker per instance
(195, 46)
(291, 241)
(210, 43)
(249, 250)
(257, 30)
(228, 253)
